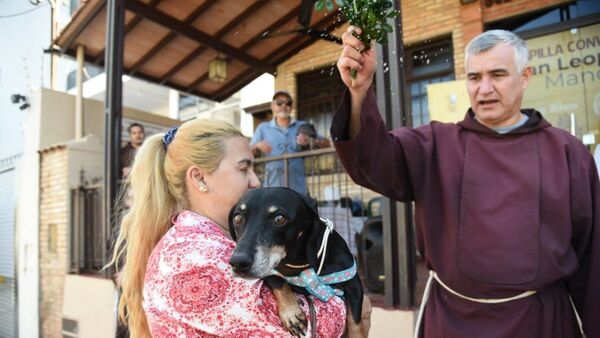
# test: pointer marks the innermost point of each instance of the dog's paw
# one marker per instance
(294, 321)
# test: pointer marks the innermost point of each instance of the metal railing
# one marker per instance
(88, 247)
(349, 206)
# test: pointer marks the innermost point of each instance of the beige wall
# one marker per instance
(61, 160)
(57, 118)
(95, 316)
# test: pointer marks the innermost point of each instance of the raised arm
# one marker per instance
(363, 62)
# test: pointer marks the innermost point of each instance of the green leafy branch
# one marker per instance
(370, 15)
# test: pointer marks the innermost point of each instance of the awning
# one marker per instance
(171, 42)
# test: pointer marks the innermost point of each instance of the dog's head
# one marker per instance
(273, 226)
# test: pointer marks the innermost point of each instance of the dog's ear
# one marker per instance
(231, 227)
(311, 204)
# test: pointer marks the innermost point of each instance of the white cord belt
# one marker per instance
(433, 275)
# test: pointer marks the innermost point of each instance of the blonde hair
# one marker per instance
(157, 185)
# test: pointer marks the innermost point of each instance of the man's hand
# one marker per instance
(262, 146)
(363, 63)
(302, 139)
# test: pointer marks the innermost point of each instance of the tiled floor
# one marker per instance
(388, 322)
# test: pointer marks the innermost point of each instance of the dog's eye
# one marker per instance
(238, 220)
(279, 220)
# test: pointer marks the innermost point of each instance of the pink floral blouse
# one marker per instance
(190, 290)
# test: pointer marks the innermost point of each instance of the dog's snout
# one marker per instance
(240, 262)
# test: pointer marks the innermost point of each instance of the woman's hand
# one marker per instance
(352, 59)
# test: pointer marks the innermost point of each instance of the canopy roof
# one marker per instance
(171, 42)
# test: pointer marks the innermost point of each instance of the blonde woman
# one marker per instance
(175, 244)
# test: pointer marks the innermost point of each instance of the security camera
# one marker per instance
(16, 98)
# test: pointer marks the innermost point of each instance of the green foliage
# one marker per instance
(370, 15)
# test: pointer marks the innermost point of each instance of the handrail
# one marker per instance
(306, 153)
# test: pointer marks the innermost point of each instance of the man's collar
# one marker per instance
(273, 122)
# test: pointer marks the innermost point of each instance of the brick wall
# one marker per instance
(422, 21)
(54, 197)
(318, 55)
(516, 7)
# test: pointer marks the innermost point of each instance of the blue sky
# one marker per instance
(22, 39)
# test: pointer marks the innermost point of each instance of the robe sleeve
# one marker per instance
(389, 162)
(584, 286)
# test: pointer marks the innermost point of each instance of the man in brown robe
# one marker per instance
(507, 206)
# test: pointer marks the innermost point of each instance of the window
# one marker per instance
(429, 62)
(89, 72)
(319, 94)
(73, 6)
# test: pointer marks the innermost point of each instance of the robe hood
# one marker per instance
(536, 122)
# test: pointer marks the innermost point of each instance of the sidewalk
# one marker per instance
(391, 323)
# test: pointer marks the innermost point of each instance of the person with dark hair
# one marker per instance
(284, 135)
(136, 138)
(507, 206)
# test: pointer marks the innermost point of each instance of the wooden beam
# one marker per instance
(293, 48)
(296, 45)
(128, 28)
(90, 59)
(169, 37)
(83, 25)
(219, 34)
(191, 32)
(237, 83)
(292, 14)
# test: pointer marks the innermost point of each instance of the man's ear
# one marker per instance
(526, 76)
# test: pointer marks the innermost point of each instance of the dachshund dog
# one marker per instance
(279, 234)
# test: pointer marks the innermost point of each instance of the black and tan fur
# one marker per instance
(278, 228)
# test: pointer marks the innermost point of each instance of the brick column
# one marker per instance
(472, 20)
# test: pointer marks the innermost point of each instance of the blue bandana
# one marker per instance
(169, 136)
(318, 286)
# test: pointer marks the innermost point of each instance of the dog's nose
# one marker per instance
(240, 262)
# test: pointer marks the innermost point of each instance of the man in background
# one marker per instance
(284, 135)
(136, 138)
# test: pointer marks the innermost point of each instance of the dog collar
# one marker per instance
(318, 286)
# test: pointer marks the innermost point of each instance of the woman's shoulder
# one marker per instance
(192, 242)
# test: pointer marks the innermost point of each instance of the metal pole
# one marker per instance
(399, 261)
(112, 109)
